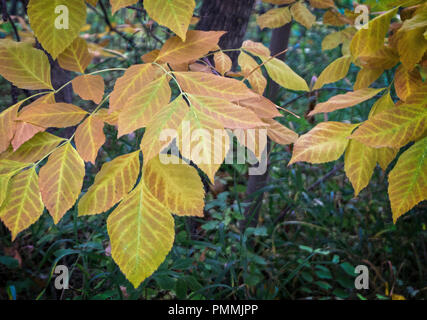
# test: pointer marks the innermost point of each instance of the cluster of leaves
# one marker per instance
(141, 227)
(382, 44)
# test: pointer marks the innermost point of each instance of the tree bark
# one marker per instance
(279, 43)
(227, 15)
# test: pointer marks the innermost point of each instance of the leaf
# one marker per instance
(58, 115)
(34, 149)
(279, 133)
(167, 120)
(177, 186)
(282, 74)
(333, 40)
(334, 72)
(346, 100)
(115, 179)
(174, 14)
(385, 58)
(408, 179)
(142, 107)
(76, 57)
(227, 113)
(61, 180)
(302, 15)
(407, 82)
(393, 128)
(118, 4)
(8, 126)
(385, 156)
(322, 4)
(366, 77)
(110, 118)
(360, 162)
(382, 104)
(23, 205)
(89, 138)
(24, 66)
(89, 87)
(204, 84)
(141, 232)
(409, 53)
(256, 48)
(324, 143)
(24, 132)
(204, 141)
(197, 44)
(252, 72)
(261, 106)
(274, 18)
(49, 25)
(11, 167)
(134, 79)
(370, 40)
(223, 62)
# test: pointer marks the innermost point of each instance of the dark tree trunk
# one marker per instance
(227, 15)
(279, 43)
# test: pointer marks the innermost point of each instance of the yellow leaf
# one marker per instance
(177, 186)
(393, 128)
(274, 18)
(369, 40)
(281, 73)
(134, 79)
(407, 82)
(324, 143)
(279, 133)
(143, 106)
(23, 205)
(302, 15)
(411, 41)
(336, 71)
(359, 164)
(385, 58)
(228, 114)
(408, 179)
(204, 141)
(223, 62)
(24, 66)
(366, 77)
(141, 232)
(322, 4)
(89, 87)
(346, 100)
(197, 44)
(89, 138)
(59, 115)
(34, 149)
(115, 179)
(385, 156)
(56, 23)
(76, 57)
(205, 84)
(252, 72)
(333, 40)
(110, 118)
(11, 167)
(61, 180)
(382, 104)
(8, 126)
(174, 14)
(166, 120)
(118, 4)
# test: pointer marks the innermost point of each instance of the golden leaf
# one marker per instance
(89, 138)
(76, 57)
(89, 87)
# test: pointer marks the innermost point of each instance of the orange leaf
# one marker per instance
(89, 138)
(76, 57)
(279, 133)
(198, 44)
(89, 87)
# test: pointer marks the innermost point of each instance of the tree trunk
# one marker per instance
(279, 43)
(227, 15)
